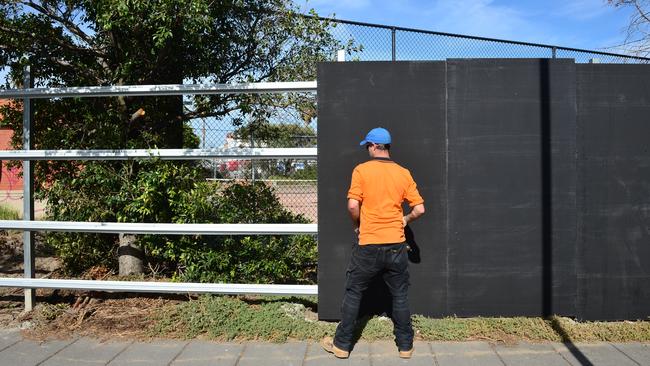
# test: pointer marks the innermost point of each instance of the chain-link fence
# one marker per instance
(386, 43)
(295, 180)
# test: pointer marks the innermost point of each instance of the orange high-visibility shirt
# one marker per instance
(381, 185)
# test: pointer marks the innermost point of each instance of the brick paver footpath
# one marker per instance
(16, 351)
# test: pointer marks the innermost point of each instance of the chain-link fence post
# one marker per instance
(392, 41)
(252, 160)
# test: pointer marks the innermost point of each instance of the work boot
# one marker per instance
(406, 354)
(328, 345)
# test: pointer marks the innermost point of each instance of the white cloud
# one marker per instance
(336, 4)
(482, 18)
(582, 9)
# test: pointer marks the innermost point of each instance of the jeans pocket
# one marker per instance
(363, 259)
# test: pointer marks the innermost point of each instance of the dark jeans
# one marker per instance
(368, 262)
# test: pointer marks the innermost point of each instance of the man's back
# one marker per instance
(375, 198)
(381, 185)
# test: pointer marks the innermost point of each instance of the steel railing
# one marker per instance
(163, 154)
(28, 225)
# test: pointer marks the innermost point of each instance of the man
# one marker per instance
(378, 188)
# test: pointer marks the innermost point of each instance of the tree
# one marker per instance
(637, 39)
(124, 42)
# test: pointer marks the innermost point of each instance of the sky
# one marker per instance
(587, 24)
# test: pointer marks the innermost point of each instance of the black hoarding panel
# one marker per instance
(511, 148)
(614, 171)
(407, 98)
(560, 254)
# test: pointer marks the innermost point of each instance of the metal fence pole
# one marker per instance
(392, 41)
(554, 52)
(28, 194)
(252, 161)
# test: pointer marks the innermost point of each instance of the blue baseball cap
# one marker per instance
(377, 136)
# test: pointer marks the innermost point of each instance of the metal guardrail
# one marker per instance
(157, 90)
(160, 287)
(154, 228)
(29, 283)
(163, 154)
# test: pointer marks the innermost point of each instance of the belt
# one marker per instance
(382, 246)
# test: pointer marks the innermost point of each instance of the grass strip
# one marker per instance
(278, 319)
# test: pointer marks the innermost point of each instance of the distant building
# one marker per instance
(11, 178)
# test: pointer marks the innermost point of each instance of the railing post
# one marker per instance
(554, 51)
(392, 34)
(28, 194)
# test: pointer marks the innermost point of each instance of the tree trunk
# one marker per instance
(130, 256)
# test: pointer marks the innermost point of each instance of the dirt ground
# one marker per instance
(60, 313)
(299, 198)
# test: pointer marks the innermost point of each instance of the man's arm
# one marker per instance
(354, 208)
(416, 212)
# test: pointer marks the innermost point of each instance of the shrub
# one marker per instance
(261, 259)
(160, 191)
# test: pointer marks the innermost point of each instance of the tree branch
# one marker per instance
(641, 12)
(73, 28)
(76, 69)
(249, 52)
(206, 114)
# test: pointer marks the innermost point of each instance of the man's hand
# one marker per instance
(416, 212)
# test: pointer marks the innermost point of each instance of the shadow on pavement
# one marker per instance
(568, 343)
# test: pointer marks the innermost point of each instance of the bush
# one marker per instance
(171, 192)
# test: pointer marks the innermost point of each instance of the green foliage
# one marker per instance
(227, 318)
(135, 42)
(257, 259)
(9, 213)
(166, 192)
(310, 172)
(136, 191)
(281, 318)
(277, 135)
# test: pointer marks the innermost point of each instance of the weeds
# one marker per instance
(280, 318)
(228, 318)
(8, 213)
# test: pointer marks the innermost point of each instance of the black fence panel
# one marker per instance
(501, 214)
(408, 99)
(535, 174)
(614, 221)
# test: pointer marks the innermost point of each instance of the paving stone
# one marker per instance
(530, 354)
(9, 337)
(87, 352)
(317, 356)
(199, 353)
(386, 353)
(639, 352)
(27, 353)
(597, 354)
(465, 353)
(286, 354)
(151, 353)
